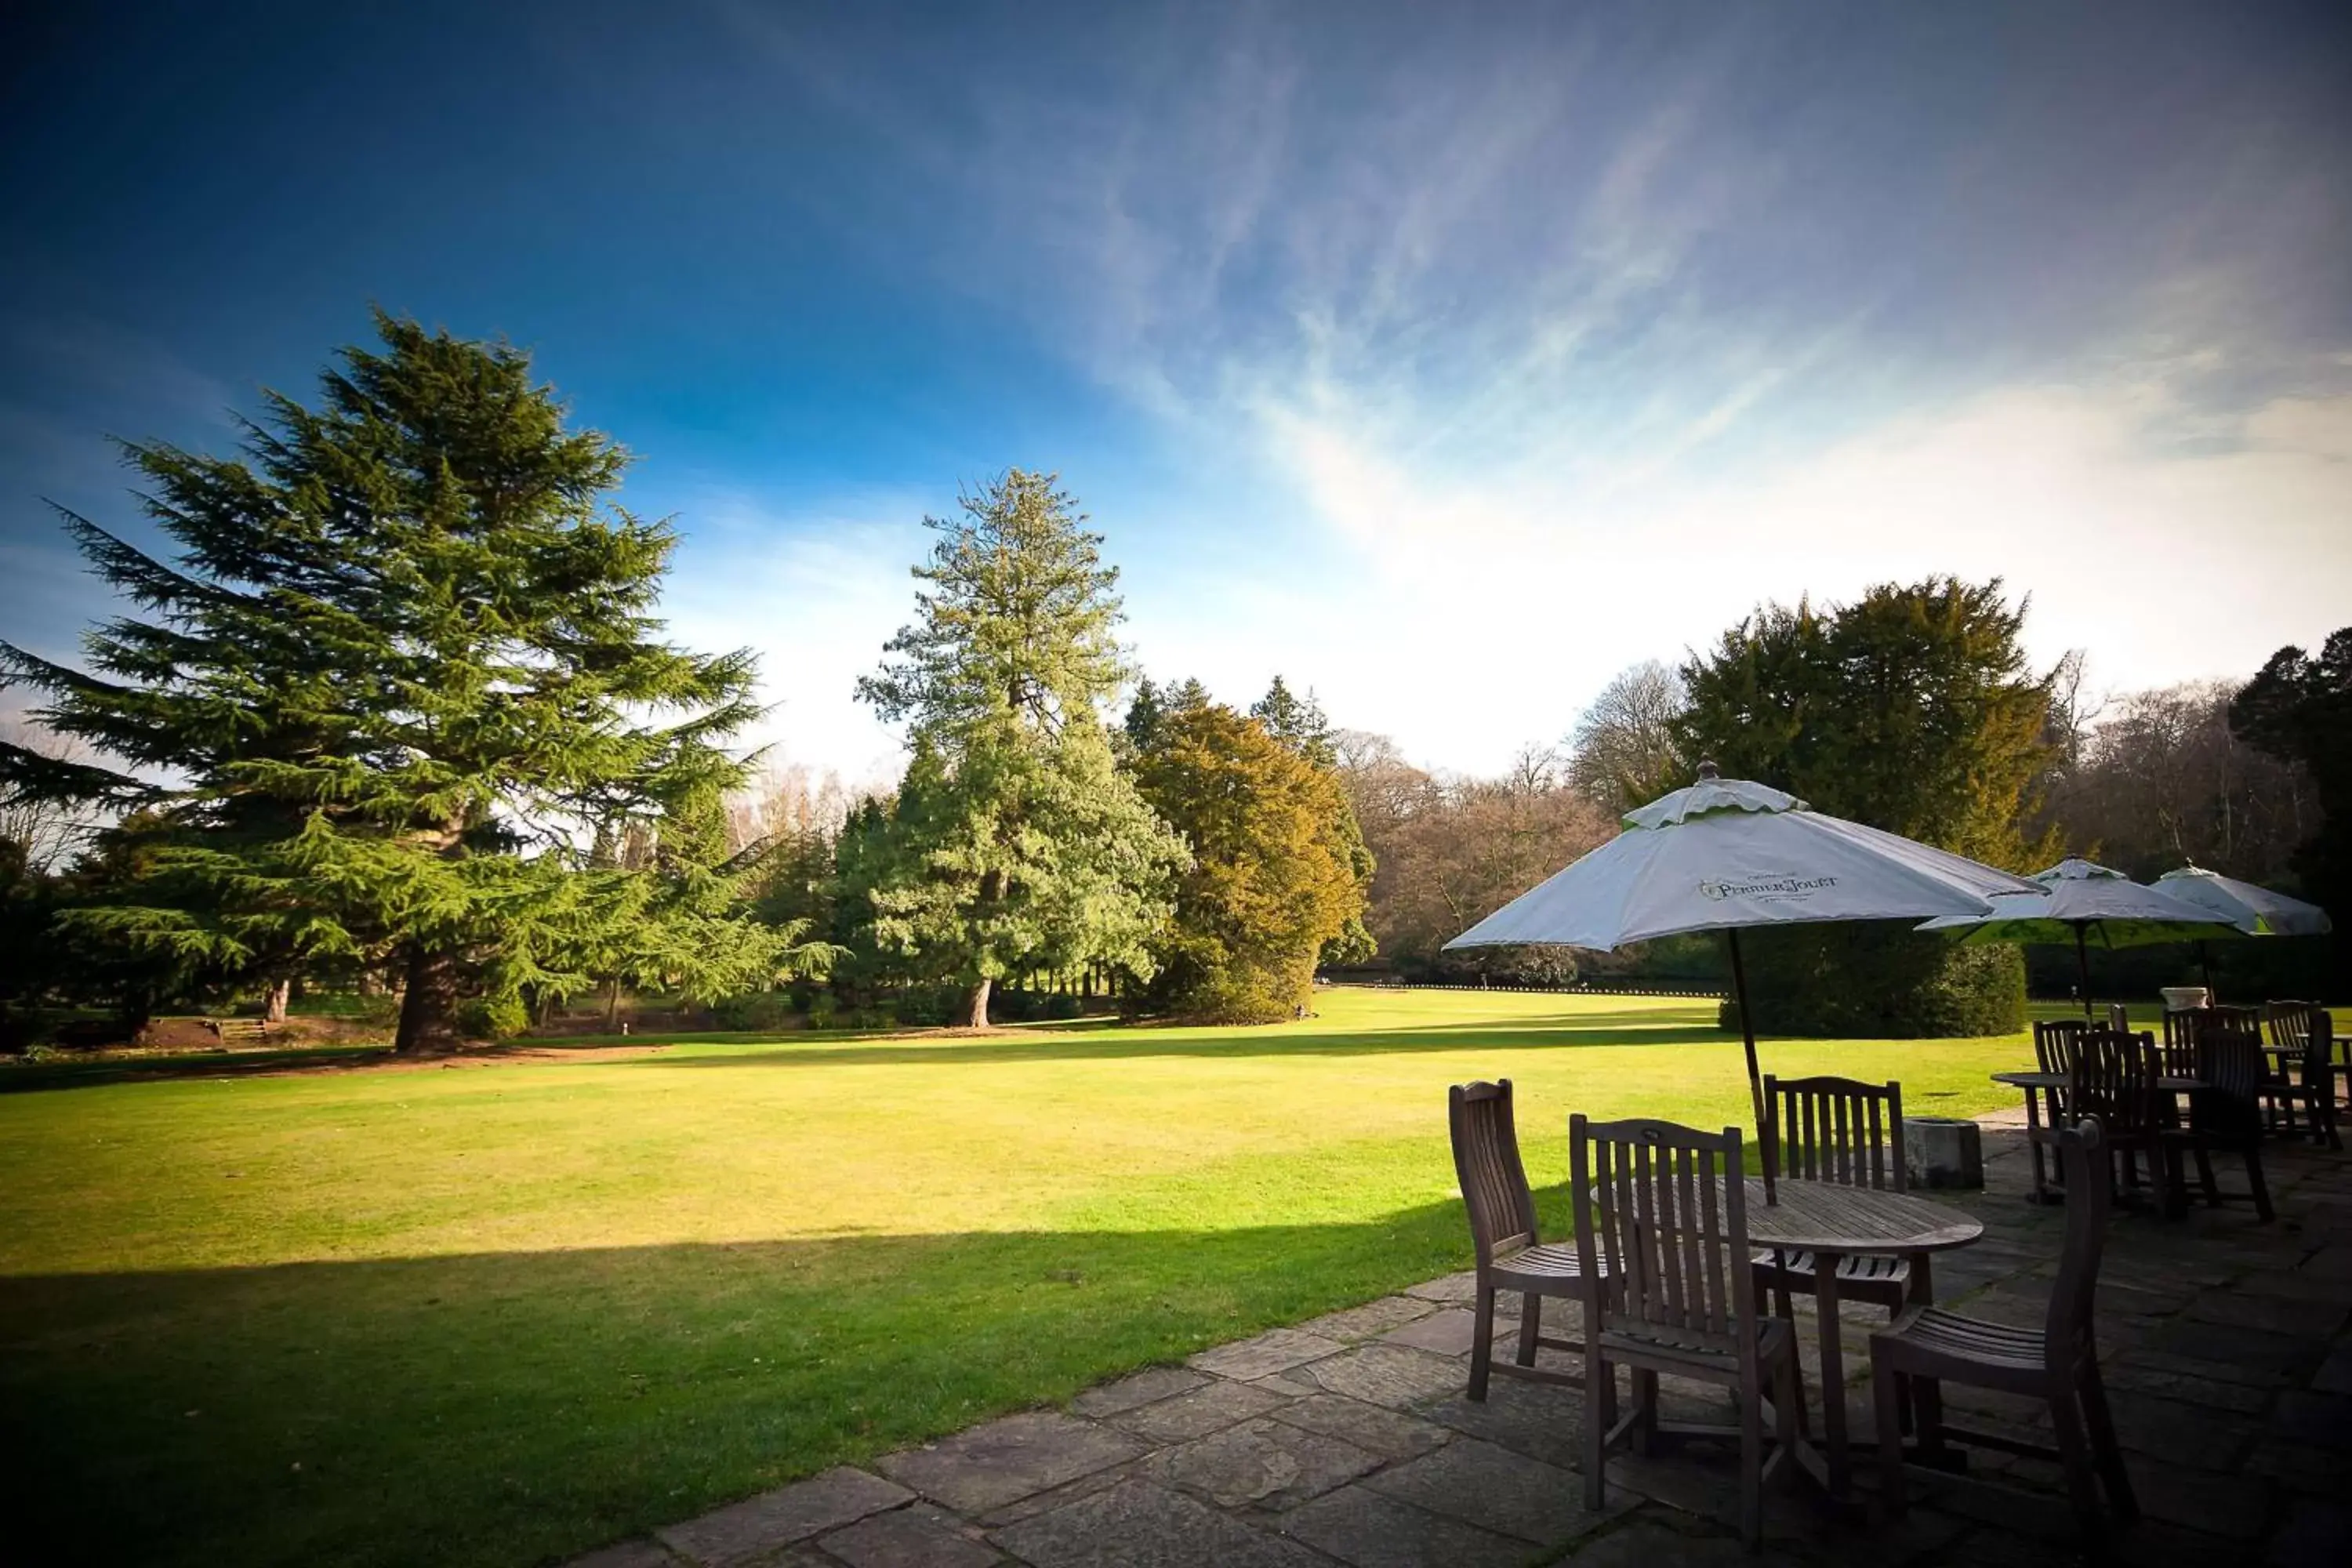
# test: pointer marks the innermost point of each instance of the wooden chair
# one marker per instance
(2301, 1036)
(2113, 1081)
(2118, 1017)
(2227, 1113)
(1834, 1129)
(2053, 1052)
(2178, 1047)
(2053, 1043)
(1511, 1256)
(1667, 1207)
(1928, 1346)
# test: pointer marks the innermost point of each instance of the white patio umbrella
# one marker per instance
(2088, 902)
(1727, 854)
(2256, 911)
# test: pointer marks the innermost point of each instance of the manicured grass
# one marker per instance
(496, 1314)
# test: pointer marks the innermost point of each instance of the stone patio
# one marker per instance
(1348, 1440)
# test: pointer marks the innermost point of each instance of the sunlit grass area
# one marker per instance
(497, 1313)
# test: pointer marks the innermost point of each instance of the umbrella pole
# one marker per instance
(2205, 963)
(1747, 1031)
(2083, 966)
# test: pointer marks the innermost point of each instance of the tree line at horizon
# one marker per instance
(399, 713)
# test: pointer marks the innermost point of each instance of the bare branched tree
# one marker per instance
(1622, 751)
(48, 831)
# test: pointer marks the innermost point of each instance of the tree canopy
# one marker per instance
(1912, 710)
(1278, 869)
(1014, 841)
(406, 649)
(2298, 709)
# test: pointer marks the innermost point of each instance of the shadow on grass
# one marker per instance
(1272, 1040)
(1074, 1040)
(514, 1408)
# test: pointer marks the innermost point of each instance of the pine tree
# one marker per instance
(1297, 722)
(1014, 842)
(404, 653)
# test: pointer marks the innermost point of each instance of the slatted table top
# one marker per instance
(1822, 1216)
(2060, 1080)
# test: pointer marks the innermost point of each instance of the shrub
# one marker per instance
(1877, 981)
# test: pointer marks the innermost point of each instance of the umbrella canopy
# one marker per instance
(1726, 854)
(2088, 903)
(2256, 911)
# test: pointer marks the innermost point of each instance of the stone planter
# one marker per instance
(1942, 1151)
(2186, 998)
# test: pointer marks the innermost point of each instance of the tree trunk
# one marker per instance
(428, 1008)
(975, 1006)
(274, 1012)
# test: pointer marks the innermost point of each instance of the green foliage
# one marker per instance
(1877, 981)
(1912, 710)
(2299, 709)
(1014, 843)
(407, 649)
(1298, 723)
(1279, 868)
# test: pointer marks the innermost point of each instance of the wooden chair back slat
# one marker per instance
(1666, 1206)
(2181, 1030)
(2053, 1043)
(1833, 1130)
(2114, 1080)
(2066, 1331)
(2118, 1018)
(1486, 1163)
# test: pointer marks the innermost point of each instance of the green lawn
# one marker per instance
(497, 1314)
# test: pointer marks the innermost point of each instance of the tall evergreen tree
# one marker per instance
(406, 651)
(1014, 843)
(1297, 722)
(1913, 709)
(2299, 707)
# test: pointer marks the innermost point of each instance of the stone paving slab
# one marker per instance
(916, 1537)
(629, 1554)
(1199, 1412)
(1008, 1459)
(1276, 1350)
(1267, 1465)
(1138, 1524)
(1494, 1489)
(1448, 1332)
(1372, 1318)
(1141, 1388)
(760, 1526)
(1543, 1421)
(1372, 1427)
(1390, 1374)
(1364, 1528)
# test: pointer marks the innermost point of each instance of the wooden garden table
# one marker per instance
(1834, 1222)
(2041, 1087)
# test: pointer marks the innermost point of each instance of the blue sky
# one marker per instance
(1444, 359)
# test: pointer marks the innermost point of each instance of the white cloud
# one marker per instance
(817, 594)
(1477, 615)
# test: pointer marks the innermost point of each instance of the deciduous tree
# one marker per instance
(1278, 866)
